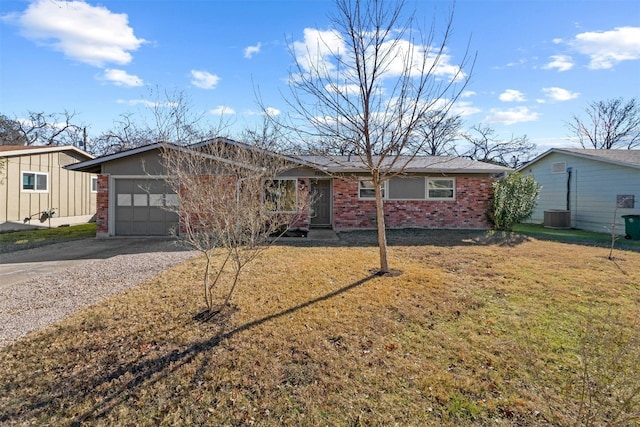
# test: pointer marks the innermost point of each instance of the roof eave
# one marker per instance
(47, 149)
(94, 165)
(425, 171)
(580, 155)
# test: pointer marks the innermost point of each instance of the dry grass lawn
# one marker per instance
(476, 331)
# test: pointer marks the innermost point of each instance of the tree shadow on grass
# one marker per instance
(136, 374)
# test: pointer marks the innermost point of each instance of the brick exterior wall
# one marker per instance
(467, 211)
(102, 206)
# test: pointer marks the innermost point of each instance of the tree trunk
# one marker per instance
(207, 285)
(382, 232)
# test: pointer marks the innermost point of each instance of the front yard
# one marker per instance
(478, 330)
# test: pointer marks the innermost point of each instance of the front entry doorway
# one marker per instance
(321, 206)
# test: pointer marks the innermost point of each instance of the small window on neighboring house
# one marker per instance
(443, 189)
(280, 195)
(35, 181)
(94, 184)
(367, 191)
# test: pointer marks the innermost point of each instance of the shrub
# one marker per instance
(514, 198)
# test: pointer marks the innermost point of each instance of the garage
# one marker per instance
(143, 207)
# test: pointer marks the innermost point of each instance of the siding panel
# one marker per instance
(69, 193)
(593, 195)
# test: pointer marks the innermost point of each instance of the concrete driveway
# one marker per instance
(30, 263)
(40, 286)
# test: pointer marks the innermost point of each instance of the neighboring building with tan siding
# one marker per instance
(33, 181)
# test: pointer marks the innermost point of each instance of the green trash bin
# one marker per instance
(632, 226)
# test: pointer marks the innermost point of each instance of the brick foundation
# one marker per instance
(467, 211)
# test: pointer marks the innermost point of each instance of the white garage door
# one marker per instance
(141, 208)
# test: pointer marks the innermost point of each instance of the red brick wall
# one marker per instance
(102, 206)
(468, 210)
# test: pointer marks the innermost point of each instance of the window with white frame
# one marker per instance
(410, 188)
(35, 181)
(94, 184)
(281, 195)
(441, 188)
(367, 191)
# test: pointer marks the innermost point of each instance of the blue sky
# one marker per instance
(538, 62)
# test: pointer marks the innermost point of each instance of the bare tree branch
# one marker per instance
(611, 124)
(167, 117)
(484, 146)
(230, 203)
(40, 128)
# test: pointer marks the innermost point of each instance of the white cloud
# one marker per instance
(351, 89)
(512, 95)
(249, 51)
(320, 50)
(468, 94)
(222, 110)
(316, 48)
(268, 111)
(122, 78)
(146, 103)
(437, 62)
(607, 48)
(559, 94)
(464, 108)
(271, 111)
(511, 116)
(204, 79)
(560, 62)
(517, 63)
(90, 34)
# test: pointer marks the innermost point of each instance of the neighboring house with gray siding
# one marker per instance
(597, 187)
(34, 184)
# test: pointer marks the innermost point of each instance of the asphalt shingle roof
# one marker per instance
(631, 157)
(425, 164)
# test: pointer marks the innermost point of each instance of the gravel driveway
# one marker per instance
(34, 294)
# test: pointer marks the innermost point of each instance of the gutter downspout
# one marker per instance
(569, 169)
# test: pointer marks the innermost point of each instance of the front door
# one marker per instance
(321, 203)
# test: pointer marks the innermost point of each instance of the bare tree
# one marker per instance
(230, 204)
(438, 131)
(368, 86)
(611, 124)
(485, 146)
(125, 134)
(10, 132)
(50, 129)
(166, 117)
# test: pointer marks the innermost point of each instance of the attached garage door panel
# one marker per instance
(140, 208)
